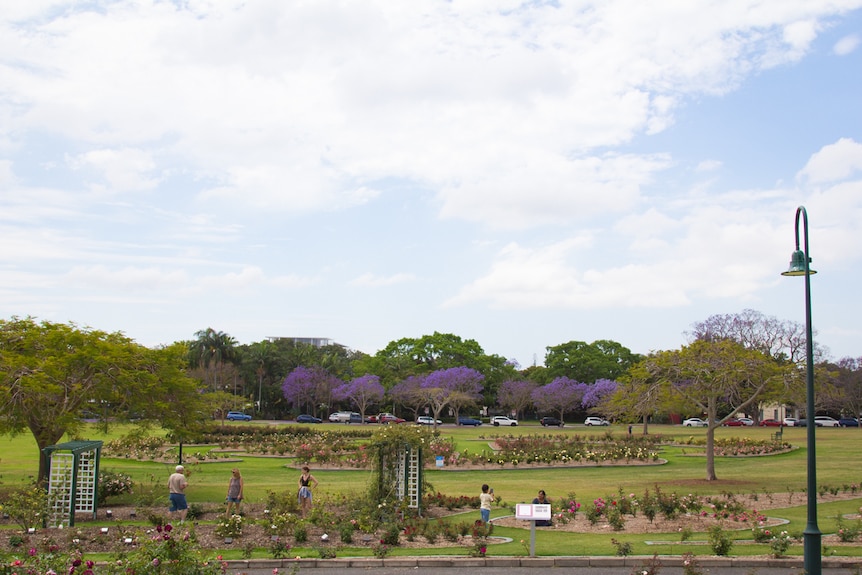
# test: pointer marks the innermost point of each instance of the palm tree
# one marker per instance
(211, 350)
(261, 354)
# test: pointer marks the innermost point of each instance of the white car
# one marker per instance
(694, 422)
(596, 421)
(825, 421)
(790, 422)
(746, 421)
(426, 420)
(340, 417)
(499, 420)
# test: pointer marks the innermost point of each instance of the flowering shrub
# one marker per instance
(165, 551)
(380, 549)
(278, 549)
(551, 448)
(761, 535)
(450, 502)
(114, 484)
(230, 527)
(27, 506)
(780, 544)
(569, 509)
(479, 542)
(739, 446)
(719, 540)
(690, 565)
(849, 533)
(623, 548)
(45, 559)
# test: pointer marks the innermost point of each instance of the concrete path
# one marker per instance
(529, 566)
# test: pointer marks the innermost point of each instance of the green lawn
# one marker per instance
(837, 467)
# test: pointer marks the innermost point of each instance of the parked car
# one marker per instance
(734, 423)
(551, 421)
(848, 422)
(426, 420)
(771, 423)
(355, 417)
(389, 418)
(305, 418)
(238, 416)
(340, 417)
(499, 420)
(469, 421)
(746, 421)
(694, 422)
(803, 422)
(826, 421)
(370, 419)
(596, 421)
(790, 421)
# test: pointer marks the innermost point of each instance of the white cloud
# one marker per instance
(372, 280)
(834, 162)
(130, 279)
(296, 107)
(708, 166)
(123, 169)
(846, 45)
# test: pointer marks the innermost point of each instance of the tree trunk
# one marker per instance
(710, 441)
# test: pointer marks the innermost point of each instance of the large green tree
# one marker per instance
(709, 374)
(51, 372)
(589, 362)
(419, 356)
(639, 396)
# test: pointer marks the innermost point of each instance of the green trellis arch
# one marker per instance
(399, 474)
(73, 480)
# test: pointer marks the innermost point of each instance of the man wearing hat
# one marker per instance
(177, 486)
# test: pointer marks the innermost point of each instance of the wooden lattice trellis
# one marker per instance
(73, 480)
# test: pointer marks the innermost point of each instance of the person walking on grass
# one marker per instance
(177, 484)
(307, 482)
(234, 491)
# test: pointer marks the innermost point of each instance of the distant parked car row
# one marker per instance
(819, 421)
(497, 421)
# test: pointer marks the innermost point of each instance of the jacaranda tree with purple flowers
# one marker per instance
(560, 396)
(407, 393)
(516, 395)
(456, 387)
(362, 392)
(305, 388)
(595, 395)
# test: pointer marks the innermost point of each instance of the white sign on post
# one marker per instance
(532, 512)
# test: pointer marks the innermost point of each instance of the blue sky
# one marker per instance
(519, 173)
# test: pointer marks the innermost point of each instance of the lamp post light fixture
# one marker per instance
(800, 266)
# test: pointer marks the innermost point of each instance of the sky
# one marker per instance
(523, 174)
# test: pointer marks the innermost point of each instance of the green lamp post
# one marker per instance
(799, 266)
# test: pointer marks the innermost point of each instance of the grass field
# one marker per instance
(838, 466)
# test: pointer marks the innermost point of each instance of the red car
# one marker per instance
(771, 423)
(733, 423)
(389, 418)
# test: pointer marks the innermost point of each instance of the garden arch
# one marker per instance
(73, 480)
(399, 465)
